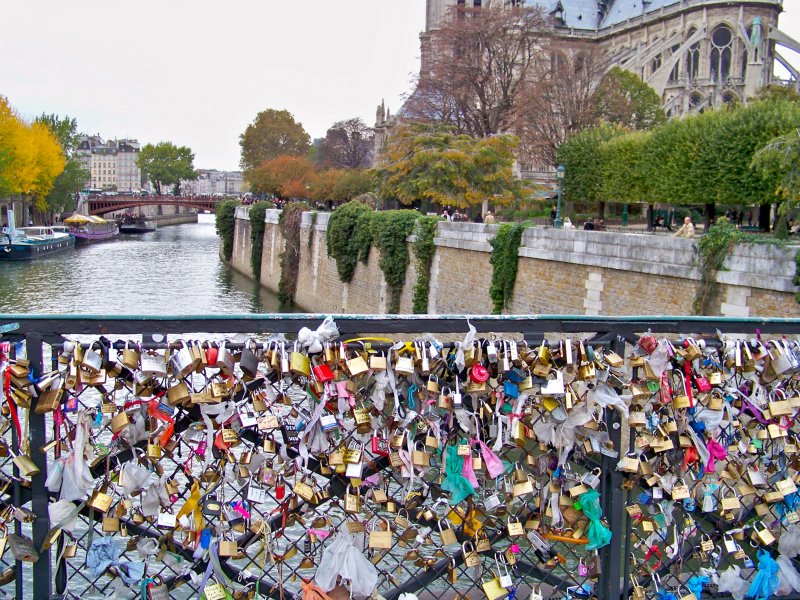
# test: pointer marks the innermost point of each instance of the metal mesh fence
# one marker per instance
(186, 498)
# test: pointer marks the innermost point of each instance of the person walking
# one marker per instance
(489, 218)
(553, 214)
(686, 230)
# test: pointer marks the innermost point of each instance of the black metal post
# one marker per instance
(42, 568)
(613, 500)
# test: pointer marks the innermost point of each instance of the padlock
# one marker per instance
(514, 527)
(420, 458)
(100, 499)
(299, 363)
(356, 365)
(380, 539)
(130, 356)
(446, 533)
(50, 399)
(352, 502)
(182, 363)
(377, 362)
(322, 371)
(22, 548)
(228, 548)
(93, 359)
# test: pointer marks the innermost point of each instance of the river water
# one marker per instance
(174, 270)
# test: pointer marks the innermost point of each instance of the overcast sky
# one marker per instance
(196, 72)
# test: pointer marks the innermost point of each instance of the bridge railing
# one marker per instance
(256, 528)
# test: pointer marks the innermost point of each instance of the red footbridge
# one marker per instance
(102, 205)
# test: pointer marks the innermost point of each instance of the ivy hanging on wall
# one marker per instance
(504, 261)
(713, 247)
(424, 249)
(354, 228)
(257, 213)
(289, 224)
(225, 220)
(348, 237)
(390, 230)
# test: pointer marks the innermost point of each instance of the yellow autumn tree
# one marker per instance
(30, 157)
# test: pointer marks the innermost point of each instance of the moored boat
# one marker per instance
(137, 225)
(91, 228)
(28, 243)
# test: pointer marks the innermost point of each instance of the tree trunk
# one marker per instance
(650, 213)
(711, 213)
(601, 210)
(763, 217)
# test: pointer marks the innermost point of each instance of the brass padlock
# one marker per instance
(100, 500)
(228, 548)
(420, 458)
(352, 502)
(26, 465)
(119, 422)
(356, 365)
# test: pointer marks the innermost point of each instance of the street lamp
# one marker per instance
(560, 170)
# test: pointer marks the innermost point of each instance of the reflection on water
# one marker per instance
(173, 270)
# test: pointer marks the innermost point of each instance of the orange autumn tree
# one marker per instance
(284, 176)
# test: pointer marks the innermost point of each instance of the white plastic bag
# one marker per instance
(342, 559)
(313, 340)
(331, 561)
(789, 544)
(788, 575)
(605, 395)
(730, 581)
(133, 477)
(77, 480)
(64, 514)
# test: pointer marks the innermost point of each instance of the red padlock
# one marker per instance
(648, 343)
(280, 488)
(211, 355)
(478, 373)
(380, 445)
(322, 372)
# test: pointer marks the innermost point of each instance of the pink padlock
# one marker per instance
(514, 549)
(583, 570)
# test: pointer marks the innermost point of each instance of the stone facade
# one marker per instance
(560, 272)
(694, 53)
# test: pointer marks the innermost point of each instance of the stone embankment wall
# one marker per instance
(560, 272)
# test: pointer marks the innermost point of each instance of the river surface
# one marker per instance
(174, 270)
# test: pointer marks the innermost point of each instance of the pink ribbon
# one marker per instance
(494, 466)
(716, 451)
(320, 533)
(469, 473)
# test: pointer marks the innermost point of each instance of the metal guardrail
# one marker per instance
(415, 568)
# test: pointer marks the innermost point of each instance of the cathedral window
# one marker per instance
(693, 61)
(656, 64)
(721, 53)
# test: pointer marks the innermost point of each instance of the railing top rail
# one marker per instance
(120, 324)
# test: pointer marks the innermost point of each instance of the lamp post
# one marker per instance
(560, 170)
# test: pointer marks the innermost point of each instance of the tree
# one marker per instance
(626, 172)
(166, 164)
(273, 133)
(284, 176)
(73, 178)
(779, 161)
(624, 99)
(30, 157)
(434, 163)
(347, 145)
(582, 157)
(560, 105)
(484, 61)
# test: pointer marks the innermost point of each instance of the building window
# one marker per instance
(721, 51)
(656, 65)
(693, 61)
